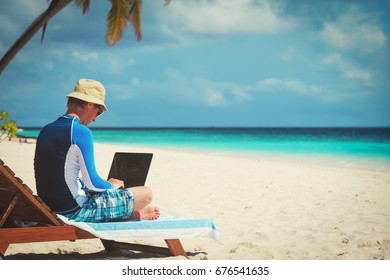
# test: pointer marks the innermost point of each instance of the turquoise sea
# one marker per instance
(363, 143)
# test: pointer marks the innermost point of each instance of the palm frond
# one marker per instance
(117, 20)
(84, 4)
(135, 10)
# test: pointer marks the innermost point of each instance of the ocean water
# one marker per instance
(363, 143)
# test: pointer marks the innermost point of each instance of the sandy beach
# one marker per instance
(265, 207)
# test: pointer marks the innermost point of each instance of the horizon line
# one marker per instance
(208, 127)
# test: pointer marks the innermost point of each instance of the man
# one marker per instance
(64, 148)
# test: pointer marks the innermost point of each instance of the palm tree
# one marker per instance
(7, 127)
(121, 14)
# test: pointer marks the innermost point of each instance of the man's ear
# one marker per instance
(90, 104)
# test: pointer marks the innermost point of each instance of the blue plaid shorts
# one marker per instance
(110, 205)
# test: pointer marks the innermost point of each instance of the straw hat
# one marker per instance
(90, 91)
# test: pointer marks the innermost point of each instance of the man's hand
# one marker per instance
(117, 183)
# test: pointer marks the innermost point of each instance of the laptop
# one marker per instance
(131, 168)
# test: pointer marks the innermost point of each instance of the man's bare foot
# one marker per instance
(146, 213)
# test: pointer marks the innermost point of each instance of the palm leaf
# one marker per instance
(117, 20)
(135, 8)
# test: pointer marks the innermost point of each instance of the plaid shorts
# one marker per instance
(110, 205)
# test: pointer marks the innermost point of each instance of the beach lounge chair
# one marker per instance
(25, 218)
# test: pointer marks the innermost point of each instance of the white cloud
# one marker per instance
(291, 54)
(241, 93)
(115, 65)
(269, 82)
(31, 9)
(48, 65)
(223, 17)
(85, 56)
(333, 58)
(359, 74)
(176, 86)
(135, 81)
(122, 91)
(199, 90)
(8, 26)
(131, 61)
(16, 16)
(295, 86)
(214, 98)
(349, 70)
(355, 31)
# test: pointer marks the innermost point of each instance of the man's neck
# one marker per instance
(73, 115)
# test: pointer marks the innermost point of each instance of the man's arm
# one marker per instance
(82, 138)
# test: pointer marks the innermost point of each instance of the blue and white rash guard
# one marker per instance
(64, 148)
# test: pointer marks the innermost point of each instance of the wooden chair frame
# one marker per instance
(17, 202)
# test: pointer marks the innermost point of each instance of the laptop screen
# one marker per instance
(132, 168)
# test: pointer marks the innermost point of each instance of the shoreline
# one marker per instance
(265, 208)
(329, 160)
(360, 147)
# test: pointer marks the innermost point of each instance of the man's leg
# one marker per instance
(142, 210)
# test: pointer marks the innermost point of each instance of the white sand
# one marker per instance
(266, 207)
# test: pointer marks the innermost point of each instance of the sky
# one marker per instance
(207, 63)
